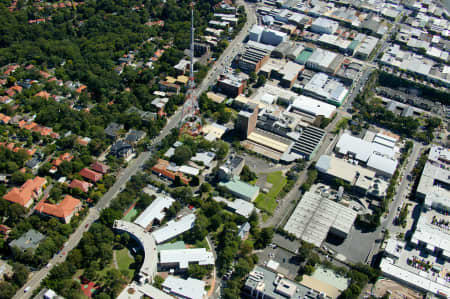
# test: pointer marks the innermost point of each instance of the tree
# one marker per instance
(205, 187)
(109, 215)
(197, 271)
(158, 281)
(20, 274)
(264, 238)
(222, 149)
(182, 155)
(8, 290)
(261, 81)
(247, 175)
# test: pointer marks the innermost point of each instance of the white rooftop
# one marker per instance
(361, 149)
(154, 211)
(313, 107)
(183, 257)
(174, 228)
(387, 266)
(189, 289)
(239, 206)
(188, 170)
(205, 157)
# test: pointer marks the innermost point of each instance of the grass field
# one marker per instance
(131, 215)
(268, 202)
(124, 260)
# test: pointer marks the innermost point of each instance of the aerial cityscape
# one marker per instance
(224, 149)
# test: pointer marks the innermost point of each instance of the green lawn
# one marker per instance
(268, 202)
(124, 260)
(131, 215)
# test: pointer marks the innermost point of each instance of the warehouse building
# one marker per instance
(316, 216)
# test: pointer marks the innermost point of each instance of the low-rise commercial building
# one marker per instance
(324, 25)
(239, 206)
(155, 211)
(321, 60)
(310, 106)
(327, 89)
(184, 288)
(180, 259)
(174, 228)
(241, 189)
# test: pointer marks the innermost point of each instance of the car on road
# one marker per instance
(26, 289)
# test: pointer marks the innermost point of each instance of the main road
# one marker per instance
(135, 165)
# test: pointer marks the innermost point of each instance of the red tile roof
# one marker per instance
(82, 185)
(27, 192)
(62, 209)
(161, 167)
(43, 94)
(63, 157)
(81, 88)
(4, 118)
(90, 174)
(100, 167)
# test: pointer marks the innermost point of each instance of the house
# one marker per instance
(244, 230)
(82, 185)
(29, 191)
(100, 167)
(33, 163)
(43, 94)
(91, 175)
(4, 231)
(134, 136)
(63, 210)
(28, 241)
(4, 119)
(161, 168)
(112, 130)
(63, 157)
(121, 149)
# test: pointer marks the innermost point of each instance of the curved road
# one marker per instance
(136, 164)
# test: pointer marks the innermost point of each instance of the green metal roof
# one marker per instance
(353, 45)
(237, 186)
(303, 56)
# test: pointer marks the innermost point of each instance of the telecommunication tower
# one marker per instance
(190, 107)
